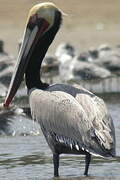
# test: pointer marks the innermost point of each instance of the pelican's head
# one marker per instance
(43, 22)
(44, 11)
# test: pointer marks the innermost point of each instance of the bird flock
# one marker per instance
(68, 64)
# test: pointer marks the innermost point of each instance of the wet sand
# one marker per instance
(89, 23)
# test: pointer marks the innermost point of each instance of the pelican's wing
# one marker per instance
(85, 125)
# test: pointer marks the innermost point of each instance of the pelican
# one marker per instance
(72, 119)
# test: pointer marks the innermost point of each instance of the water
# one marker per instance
(26, 156)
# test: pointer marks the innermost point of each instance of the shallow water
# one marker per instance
(26, 156)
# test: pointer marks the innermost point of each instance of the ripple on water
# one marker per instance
(29, 158)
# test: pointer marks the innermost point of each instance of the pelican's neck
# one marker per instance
(32, 74)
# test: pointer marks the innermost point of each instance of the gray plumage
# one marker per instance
(75, 116)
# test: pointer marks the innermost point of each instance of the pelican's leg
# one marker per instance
(56, 164)
(87, 163)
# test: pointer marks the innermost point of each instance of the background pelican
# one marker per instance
(73, 120)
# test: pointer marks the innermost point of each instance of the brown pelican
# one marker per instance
(73, 120)
(106, 57)
(65, 54)
(86, 70)
(109, 58)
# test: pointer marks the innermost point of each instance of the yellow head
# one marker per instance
(43, 10)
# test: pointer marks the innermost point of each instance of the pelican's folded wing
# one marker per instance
(60, 113)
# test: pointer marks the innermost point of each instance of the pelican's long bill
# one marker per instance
(39, 22)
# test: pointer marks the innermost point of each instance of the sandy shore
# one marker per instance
(89, 23)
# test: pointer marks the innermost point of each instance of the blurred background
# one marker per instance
(86, 51)
(89, 23)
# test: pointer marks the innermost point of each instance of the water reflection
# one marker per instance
(40, 162)
(41, 158)
(82, 178)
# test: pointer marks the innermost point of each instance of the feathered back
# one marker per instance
(76, 114)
